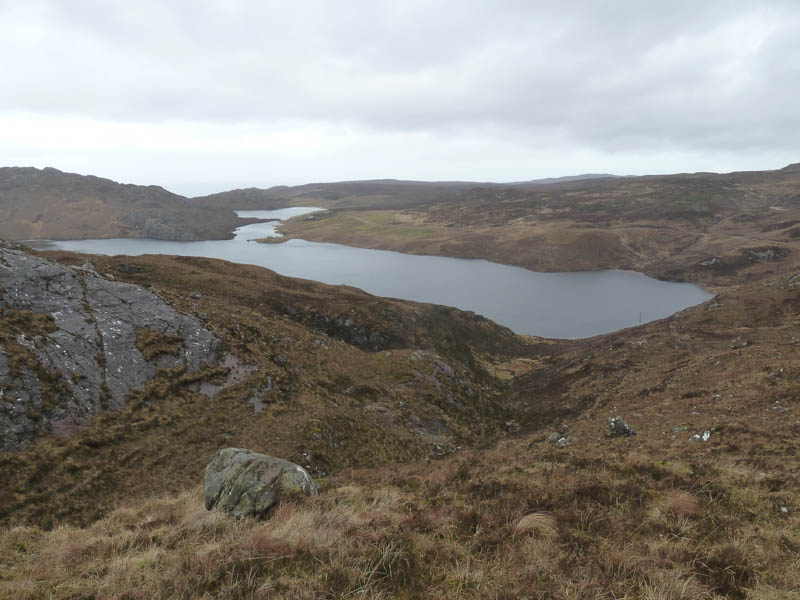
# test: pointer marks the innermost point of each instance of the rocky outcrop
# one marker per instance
(156, 228)
(767, 253)
(348, 327)
(619, 428)
(243, 483)
(73, 343)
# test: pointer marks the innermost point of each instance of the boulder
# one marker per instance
(559, 438)
(243, 483)
(701, 437)
(619, 427)
(767, 253)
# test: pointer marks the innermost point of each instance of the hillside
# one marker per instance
(510, 485)
(50, 204)
(456, 459)
(701, 227)
(327, 376)
(385, 193)
(373, 193)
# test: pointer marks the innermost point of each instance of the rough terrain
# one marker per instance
(455, 459)
(702, 227)
(50, 204)
(75, 343)
(325, 376)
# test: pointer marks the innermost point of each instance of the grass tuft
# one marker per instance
(538, 524)
(682, 504)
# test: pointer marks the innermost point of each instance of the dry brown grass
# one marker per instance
(591, 528)
(538, 524)
(682, 504)
(321, 399)
(665, 225)
(655, 517)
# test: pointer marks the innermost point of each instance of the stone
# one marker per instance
(559, 438)
(129, 269)
(148, 226)
(242, 483)
(619, 428)
(768, 253)
(710, 262)
(81, 330)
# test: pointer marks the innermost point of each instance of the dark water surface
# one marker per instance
(557, 305)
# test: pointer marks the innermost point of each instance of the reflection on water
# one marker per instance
(558, 305)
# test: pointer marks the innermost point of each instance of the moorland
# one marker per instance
(456, 459)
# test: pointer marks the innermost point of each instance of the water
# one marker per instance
(557, 305)
(261, 230)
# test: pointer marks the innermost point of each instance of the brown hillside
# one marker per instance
(385, 193)
(558, 509)
(327, 376)
(50, 204)
(456, 459)
(703, 227)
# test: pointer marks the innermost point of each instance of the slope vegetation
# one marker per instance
(698, 227)
(456, 459)
(50, 204)
(510, 484)
(326, 376)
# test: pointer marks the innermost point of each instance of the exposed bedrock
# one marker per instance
(73, 343)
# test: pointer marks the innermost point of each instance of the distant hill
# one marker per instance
(578, 224)
(387, 193)
(567, 178)
(372, 193)
(657, 461)
(50, 204)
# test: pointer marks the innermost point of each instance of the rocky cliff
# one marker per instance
(73, 343)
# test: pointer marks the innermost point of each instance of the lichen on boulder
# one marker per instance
(243, 483)
(619, 428)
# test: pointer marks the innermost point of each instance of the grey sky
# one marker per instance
(206, 95)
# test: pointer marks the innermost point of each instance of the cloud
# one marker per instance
(717, 79)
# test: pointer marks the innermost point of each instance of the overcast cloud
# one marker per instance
(200, 96)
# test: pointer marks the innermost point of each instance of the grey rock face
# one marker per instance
(88, 359)
(156, 228)
(619, 428)
(768, 253)
(243, 483)
(710, 262)
(701, 437)
(559, 438)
